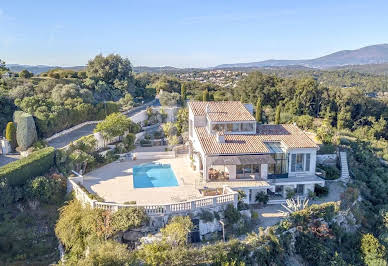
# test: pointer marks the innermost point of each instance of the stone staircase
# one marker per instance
(344, 167)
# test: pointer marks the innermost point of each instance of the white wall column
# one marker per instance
(264, 171)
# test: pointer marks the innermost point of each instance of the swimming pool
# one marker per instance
(153, 175)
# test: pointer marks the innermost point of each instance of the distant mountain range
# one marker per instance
(39, 68)
(375, 54)
(369, 55)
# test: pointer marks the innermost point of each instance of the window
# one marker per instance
(247, 168)
(307, 168)
(218, 127)
(256, 168)
(247, 127)
(239, 169)
(300, 162)
(236, 127)
(229, 127)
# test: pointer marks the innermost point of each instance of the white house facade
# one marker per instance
(228, 147)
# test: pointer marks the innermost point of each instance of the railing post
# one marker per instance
(168, 209)
(193, 206)
(215, 201)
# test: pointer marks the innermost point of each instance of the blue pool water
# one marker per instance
(154, 175)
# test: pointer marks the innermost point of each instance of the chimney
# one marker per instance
(220, 137)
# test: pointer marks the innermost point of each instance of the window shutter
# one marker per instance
(293, 162)
(307, 168)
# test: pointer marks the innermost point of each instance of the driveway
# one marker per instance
(5, 159)
(66, 139)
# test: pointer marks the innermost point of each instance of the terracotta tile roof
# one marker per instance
(291, 136)
(222, 111)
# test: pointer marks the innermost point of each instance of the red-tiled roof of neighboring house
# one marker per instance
(289, 135)
(222, 111)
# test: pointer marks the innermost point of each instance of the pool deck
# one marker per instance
(114, 182)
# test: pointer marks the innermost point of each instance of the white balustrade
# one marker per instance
(160, 209)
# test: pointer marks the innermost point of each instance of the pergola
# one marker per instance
(236, 160)
(242, 159)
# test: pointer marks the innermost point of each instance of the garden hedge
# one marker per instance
(35, 164)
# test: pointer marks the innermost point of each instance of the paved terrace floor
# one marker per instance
(114, 182)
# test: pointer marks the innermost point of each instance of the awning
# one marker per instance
(241, 159)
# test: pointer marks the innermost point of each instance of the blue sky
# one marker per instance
(186, 33)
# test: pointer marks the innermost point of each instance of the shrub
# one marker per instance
(37, 163)
(262, 197)
(26, 131)
(321, 191)
(176, 231)
(44, 189)
(305, 121)
(129, 141)
(206, 216)
(373, 252)
(290, 193)
(331, 172)
(232, 215)
(10, 134)
(128, 218)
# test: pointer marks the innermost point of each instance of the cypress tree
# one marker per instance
(205, 96)
(10, 134)
(183, 93)
(277, 115)
(259, 111)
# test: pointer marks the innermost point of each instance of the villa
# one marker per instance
(229, 148)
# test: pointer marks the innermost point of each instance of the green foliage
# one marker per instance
(26, 133)
(25, 74)
(332, 172)
(373, 252)
(259, 111)
(321, 191)
(183, 93)
(107, 253)
(46, 189)
(10, 134)
(232, 215)
(37, 163)
(112, 75)
(205, 96)
(176, 231)
(115, 125)
(277, 114)
(206, 216)
(182, 122)
(126, 102)
(305, 121)
(261, 197)
(27, 234)
(169, 98)
(325, 211)
(128, 218)
(6, 110)
(129, 141)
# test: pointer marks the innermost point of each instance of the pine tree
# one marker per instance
(277, 114)
(205, 96)
(10, 134)
(259, 111)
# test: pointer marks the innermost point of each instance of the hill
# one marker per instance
(39, 68)
(375, 54)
